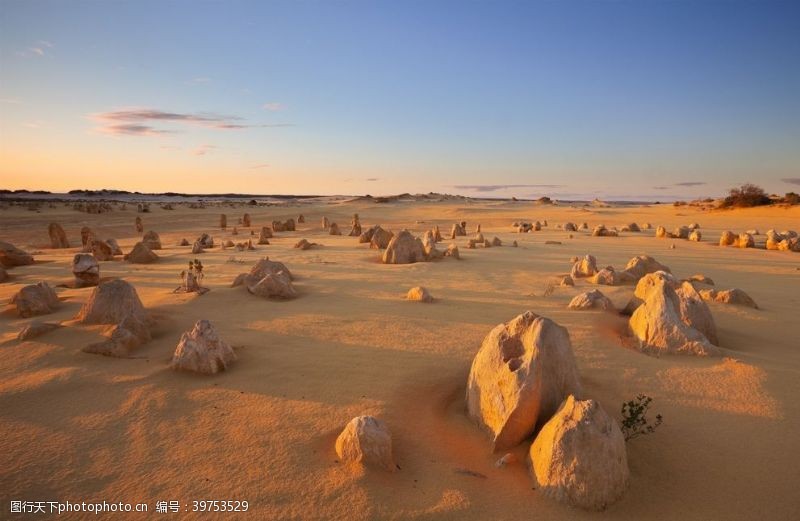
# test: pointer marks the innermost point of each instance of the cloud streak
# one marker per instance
(494, 188)
(691, 183)
(203, 150)
(791, 180)
(141, 122)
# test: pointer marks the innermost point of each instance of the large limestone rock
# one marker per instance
(585, 267)
(579, 456)
(523, 371)
(591, 300)
(101, 250)
(695, 236)
(641, 265)
(355, 229)
(366, 440)
(270, 279)
(695, 312)
(202, 351)
(86, 270)
(659, 325)
(419, 294)
(601, 231)
(265, 235)
(35, 299)
(58, 239)
(152, 240)
(404, 248)
(452, 251)
(333, 229)
(206, 241)
(116, 303)
(36, 329)
(114, 245)
(608, 276)
(11, 256)
(745, 240)
(380, 238)
(681, 232)
(727, 239)
(457, 230)
(661, 232)
(141, 254)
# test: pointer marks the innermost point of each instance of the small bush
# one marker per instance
(791, 198)
(634, 418)
(746, 196)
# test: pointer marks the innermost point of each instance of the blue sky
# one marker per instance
(571, 99)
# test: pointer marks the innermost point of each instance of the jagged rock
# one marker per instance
(139, 225)
(380, 238)
(695, 312)
(601, 231)
(141, 254)
(585, 267)
(570, 227)
(246, 220)
(609, 277)
(633, 227)
(701, 279)
(86, 270)
(523, 371)
(334, 229)
(35, 299)
(661, 232)
(197, 248)
(457, 231)
(593, 299)
(326, 223)
(301, 218)
(584, 226)
(419, 293)
(565, 281)
(658, 323)
(290, 225)
(355, 226)
(202, 351)
(452, 251)
(579, 457)
(496, 242)
(366, 440)
(36, 329)
(152, 240)
(270, 279)
(695, 236)
(404, 248)
(729, 296)
(641, 265)
(11, 256)
(58, 239)
(479, 239)
(694, 226)
(437, 235)
(727, 239)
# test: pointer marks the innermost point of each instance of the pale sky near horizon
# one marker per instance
(618, 100)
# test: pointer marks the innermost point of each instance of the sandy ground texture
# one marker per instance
(78, 426)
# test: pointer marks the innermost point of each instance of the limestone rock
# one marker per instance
(593, 299)
(380, 238)
(695, 312)
(58, 239)
(141, 254)
(35, 299)
(404, 248)
(202, 351)
(727, 239)
(566, 281)
(197, 248)
(641, 265)
(152, 240)
(745, 240)
(206, 241)
(585, 267)
(452, 251)
(523, 371)
(325, 223)
(86, 269)
(661, 232)
(270, 279)
(223, 221)
(246, 220)
(570, 227)
(366, 440)
(579, 457)
(301, 218)
(658, 323)
(86, 237)
(139, 225)
(114, 245)
(101, 250)
(3, 274)
(420, 294)
(334, 229)
(695, 236)
(36, 329)
(730, 296)
(303, 244)
(681, 232)
(11, 256)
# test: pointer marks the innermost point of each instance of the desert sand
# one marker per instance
(79, 426)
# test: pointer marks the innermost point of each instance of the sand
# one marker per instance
(83, 427)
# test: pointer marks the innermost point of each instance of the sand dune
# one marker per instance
(78, 426)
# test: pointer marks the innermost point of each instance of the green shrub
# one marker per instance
(634, 418)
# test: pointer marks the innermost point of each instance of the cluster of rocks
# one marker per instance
(377, 237)
(690, 232)
(784, 241)
(525, 375)
(743, 240)
(268, 279)
(526, 227)
(601, 231)
(281, 226)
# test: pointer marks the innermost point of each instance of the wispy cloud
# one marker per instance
(260, 165)
(373, 179)
(494, 188)
(660, 188)
(691, 183)
(139, 122)
(203, 150)
(273, 106)
(791, 180)
(40, 48)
